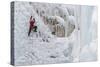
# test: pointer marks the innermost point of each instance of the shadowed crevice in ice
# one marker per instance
(53, 56)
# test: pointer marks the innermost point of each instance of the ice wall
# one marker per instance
(42, 47)
(88, 50)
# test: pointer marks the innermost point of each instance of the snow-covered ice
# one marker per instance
(43, 47)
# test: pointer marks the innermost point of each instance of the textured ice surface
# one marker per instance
(42, 47)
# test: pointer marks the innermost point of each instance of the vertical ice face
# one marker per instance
(88, 33)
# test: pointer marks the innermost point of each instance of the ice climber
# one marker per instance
(32, 25)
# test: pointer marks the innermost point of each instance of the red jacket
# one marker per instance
(32, 23)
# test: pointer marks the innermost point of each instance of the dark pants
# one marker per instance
(35, 30)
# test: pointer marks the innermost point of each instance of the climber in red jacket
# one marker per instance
(32, 26)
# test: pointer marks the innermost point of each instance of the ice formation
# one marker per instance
(56, 39)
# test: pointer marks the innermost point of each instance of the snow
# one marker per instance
(42, 47)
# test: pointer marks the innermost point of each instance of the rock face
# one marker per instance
(56, 25)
